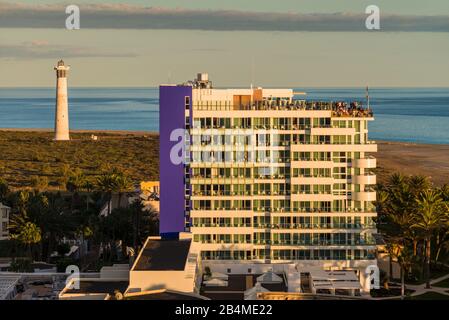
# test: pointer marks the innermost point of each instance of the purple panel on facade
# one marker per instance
(171, 117)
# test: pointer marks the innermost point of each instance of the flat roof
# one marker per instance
(99, 286)
(163, 255)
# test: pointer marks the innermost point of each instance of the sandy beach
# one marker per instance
(410, 158)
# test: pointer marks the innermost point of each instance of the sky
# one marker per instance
(282, 43)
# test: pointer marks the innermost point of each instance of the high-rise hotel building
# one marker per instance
(262, 177)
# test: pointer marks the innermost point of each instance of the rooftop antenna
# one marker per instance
(252, 79)
(367, 97)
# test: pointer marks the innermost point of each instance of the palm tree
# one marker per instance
(396, 180)
(122, 184)
(64, 174)
(405, 258)
(429, 219)
(445, 192)
(114, 181)
(4, 190)
(106, 184)
(76, 181)
(396, 205)
(26, 232)
(418, 184)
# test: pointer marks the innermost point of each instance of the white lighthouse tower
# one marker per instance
(62, 106)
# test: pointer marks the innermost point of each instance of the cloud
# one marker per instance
(126, 16)
(42, 49)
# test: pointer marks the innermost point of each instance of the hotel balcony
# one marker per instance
(368, 195)
(312, 164)
(331, 131)
(369, 146)
(322, 196)
(315, 226)
(369, 178)
(368, 163)
(312, 179)
(361, 242)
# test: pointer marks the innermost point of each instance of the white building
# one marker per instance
(272, 179)
(4, 221)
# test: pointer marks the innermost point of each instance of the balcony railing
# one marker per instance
(315, 243)
(313, 226)
(339, 109)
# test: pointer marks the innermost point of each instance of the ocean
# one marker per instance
(418, 115)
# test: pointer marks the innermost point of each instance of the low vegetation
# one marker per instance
(33, 160)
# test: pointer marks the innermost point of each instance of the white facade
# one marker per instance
(4, 221)
(276, 180)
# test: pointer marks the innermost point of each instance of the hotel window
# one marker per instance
(206, 255)
(302, 254)
(319, 156)
(302, 238)
(238, 255)
(340, 157)
(242, 238)
(281, 205)
(242, 222)
(339, 254)
(304, 222)
(322, 172)
(321, 122)
(187, 103)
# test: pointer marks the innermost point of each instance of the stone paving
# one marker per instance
(421, 289)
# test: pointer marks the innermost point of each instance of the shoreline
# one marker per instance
(46, 130)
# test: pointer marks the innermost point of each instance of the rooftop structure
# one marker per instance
(335, 282)
(163, 255)
(166, 264)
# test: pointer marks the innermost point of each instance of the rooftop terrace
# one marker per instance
(338, 108)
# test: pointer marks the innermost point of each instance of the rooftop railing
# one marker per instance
(338, 108)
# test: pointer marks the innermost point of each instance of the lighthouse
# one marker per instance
(62, 106)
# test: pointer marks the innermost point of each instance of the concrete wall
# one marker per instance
(153, 280)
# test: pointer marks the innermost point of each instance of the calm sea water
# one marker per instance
(413, 115)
